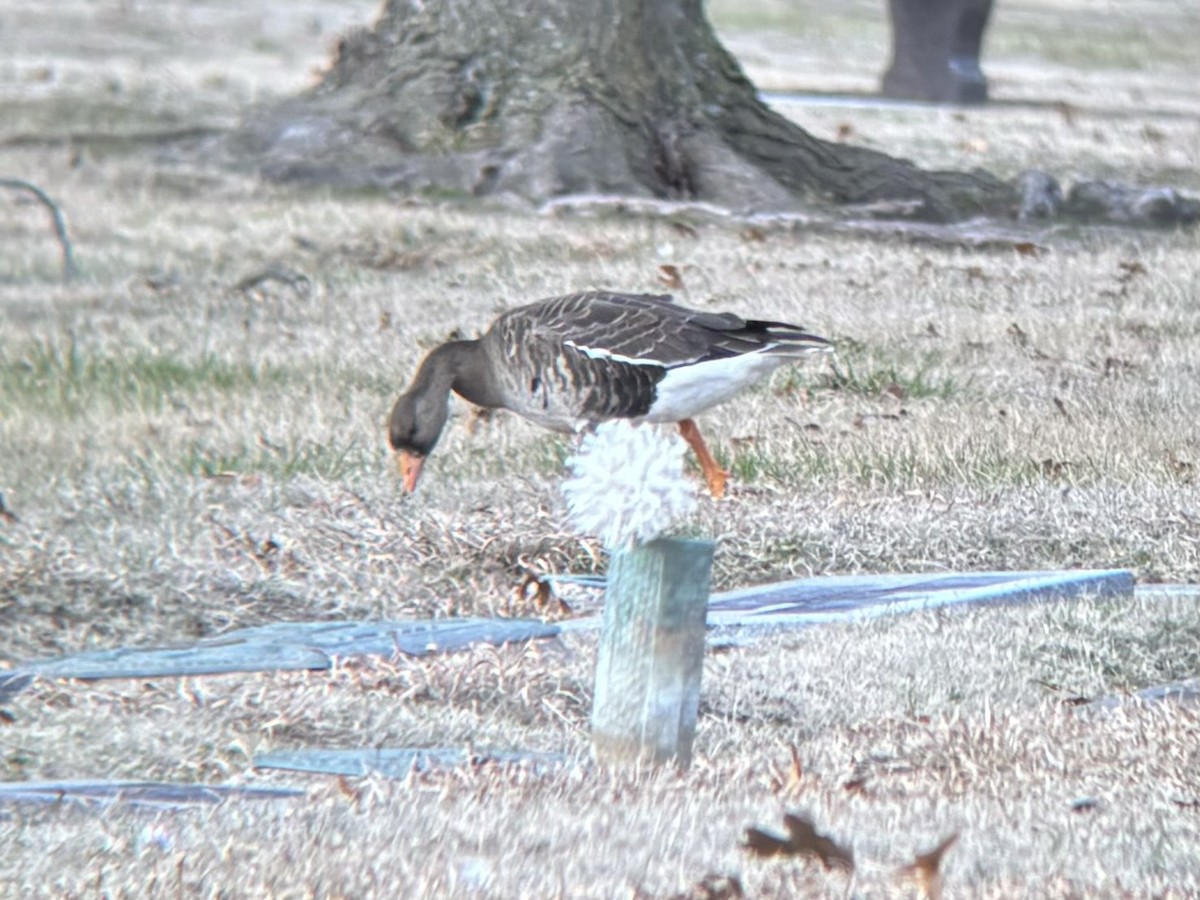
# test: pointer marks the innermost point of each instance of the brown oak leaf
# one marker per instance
(802, 839)
(925, 869)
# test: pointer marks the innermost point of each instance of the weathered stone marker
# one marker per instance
(651, 652)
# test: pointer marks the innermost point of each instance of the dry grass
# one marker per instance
(938, 724)
(184, 456)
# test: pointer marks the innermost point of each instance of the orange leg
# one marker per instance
(713, 473)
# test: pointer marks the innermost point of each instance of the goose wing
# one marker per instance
(651, 329)
(601, 355)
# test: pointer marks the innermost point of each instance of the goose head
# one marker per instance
(420, 414)
(415, 425)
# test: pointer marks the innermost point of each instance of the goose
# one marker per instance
(569, 363)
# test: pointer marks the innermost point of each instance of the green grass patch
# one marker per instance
(1125, 46)
(856, 373)
(122, 111)
(306, 457)
(544, 454)
(66, 380)
(899, 463)
(1090, 648)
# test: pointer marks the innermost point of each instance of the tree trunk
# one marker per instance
(541, 98)
(935, 50)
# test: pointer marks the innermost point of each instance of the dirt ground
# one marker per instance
(191, 440)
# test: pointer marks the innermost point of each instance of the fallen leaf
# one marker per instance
(785, 783)
(1017, 334)
(686, 230)
(1130, 271)
(164, 284)
(477, 416)
(1183, 469)
(670, 276)
(713, 887)
(895, 390)
(844, 131)
(806, 839)
(1115, 366)
(1027, 248)
(349, 791)
(253, 285)
(536, 589)
(925, 869)
(1053, 468)
(802, 840)
(856, 785)
(753, 233)
(1153, 135)
(764, 843)
(6, 512)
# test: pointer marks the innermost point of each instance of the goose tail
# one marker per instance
(784, 339)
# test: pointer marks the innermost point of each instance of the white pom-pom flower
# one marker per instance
(628, 485)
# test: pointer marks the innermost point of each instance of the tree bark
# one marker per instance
(541, 98)
(935, 50)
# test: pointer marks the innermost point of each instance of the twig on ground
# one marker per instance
(60, 224)
(300, 283)
(6, 513)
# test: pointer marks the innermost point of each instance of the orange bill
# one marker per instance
(410, 469)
